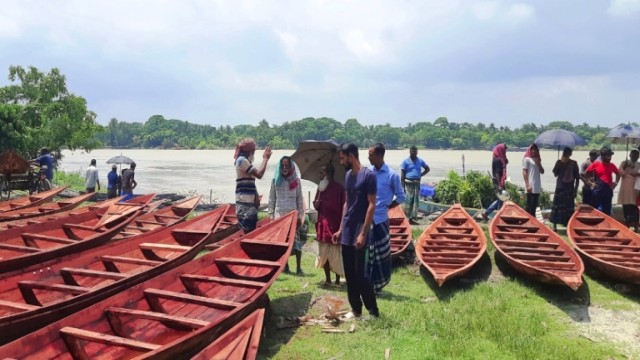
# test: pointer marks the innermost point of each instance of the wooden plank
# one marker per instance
(526, 243)
(470, 236)
(167, 247)
(110, 261)
(83, 227)
(514, 226)
(523, 235)
(150, 222)
(12, 305)
(26, 249)
(67, 275)
(469, 255)
(465, 228)
(167, 216)
(549, 264)
(508, 249)
(267, 243)
(153, 295)
(591, 229)
(532, 256)
(30, 237)
(72, 337)
(222, 280)
(27, 288)
(171, 321)
(247, 262)
(589, 246)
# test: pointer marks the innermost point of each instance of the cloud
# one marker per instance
(624, 7)
(501, 11)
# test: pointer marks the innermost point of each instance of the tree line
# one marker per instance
(158, 132)
(37, 110)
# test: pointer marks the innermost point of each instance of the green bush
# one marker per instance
(71, 179)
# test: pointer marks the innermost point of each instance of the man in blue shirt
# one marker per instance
(389, 194)
(412, 170)
(113, 182)
(45, 159)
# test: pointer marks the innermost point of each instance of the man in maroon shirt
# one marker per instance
(604, 170)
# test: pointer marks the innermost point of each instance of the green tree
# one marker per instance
(40, 111)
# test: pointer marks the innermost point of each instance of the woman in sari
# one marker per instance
(628, 195)
(567, 182)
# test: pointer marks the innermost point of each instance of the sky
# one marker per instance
(236, 62)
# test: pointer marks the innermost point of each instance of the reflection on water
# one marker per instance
(211, 172)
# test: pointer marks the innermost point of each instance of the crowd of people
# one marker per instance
(597, 174)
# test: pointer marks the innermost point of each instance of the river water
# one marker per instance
(211, 172)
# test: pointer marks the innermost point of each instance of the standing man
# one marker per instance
(91, 178)
(45, 161)
(247, 199)
(360, 185)
(128, 181)
(389, 194)
(412, 169)
(531, 170)
(587, 179)
(604, 185)
(113, 181)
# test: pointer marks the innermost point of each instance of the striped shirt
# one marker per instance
(246, 191)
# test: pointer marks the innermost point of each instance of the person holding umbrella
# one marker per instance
(567, 183)
(604, 185)
(531, 170)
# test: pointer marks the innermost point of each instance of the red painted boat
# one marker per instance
(73, 282)
(45, 209)
(533, 249)
(32, 244)
(399, 231)
(173, 315)
(31, 200)
(158, 219)
(238, 343)
(451, 245)
(606, 244)
(58, 215)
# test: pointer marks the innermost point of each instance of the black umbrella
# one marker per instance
(622, 134)
(559, 138)
(120, 159)
(311, 155)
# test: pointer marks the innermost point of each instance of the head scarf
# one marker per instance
(293, 176)
(500, 152)
(529, 152)
(244, 147)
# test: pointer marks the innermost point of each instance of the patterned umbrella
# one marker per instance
(311, 155)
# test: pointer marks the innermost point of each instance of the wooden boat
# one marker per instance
(173, 315)
(238, 343)
(158, 219)
(32, 244)
(399, 231)
(58, 215)
(533, 249)
(45, 209)
(606, 244)
(31, 200)
(70, 283)
(451, 245)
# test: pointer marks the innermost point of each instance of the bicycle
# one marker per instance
(40, 182)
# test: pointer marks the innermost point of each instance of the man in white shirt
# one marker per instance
(91, 178)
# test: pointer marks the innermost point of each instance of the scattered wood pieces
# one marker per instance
(387, 353)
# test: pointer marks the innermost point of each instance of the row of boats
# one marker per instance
(121, 280)
(454, 243)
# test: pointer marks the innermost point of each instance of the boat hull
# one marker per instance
(399, 231)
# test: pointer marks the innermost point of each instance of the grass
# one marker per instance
(491, 313)
(74, 180)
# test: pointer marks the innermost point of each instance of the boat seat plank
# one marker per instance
(222, 280)
(514, 226)
(621, 252)
(67, 274)
(151, 222)
(166, 247)
(247, 262)
(190, 231)
(126, 233)
(549, 264)
(445, 260)
(449, 254)
(530, 256)
(595, 246)
(601, 238)
(508, 218)
(466, 247)
(591, 229)
(465, 228)
(83, 227)
(509, 249)
(30, 237)
(72, 337)
(454, 235)
(155, 294)
(176, 322)
(109, 262)
(12, 305)
(27, 249)
(526, 243)
(267, 243)
(139, 228)
(27, 288)
(521, 234)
